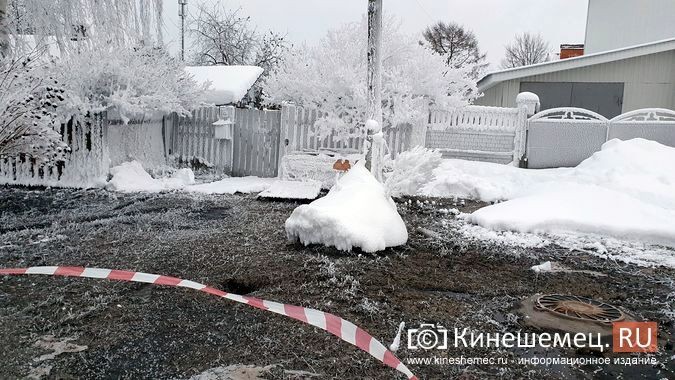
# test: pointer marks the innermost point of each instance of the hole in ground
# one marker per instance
(242, 286)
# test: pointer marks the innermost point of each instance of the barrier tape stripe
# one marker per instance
(335, 325)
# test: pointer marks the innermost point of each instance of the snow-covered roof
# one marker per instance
(496, 77)
(229, 84)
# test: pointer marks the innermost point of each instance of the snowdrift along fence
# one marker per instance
(335, 325)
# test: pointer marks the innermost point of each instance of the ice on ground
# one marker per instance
(355, 213)
(626, 190)
(228, 84)
(543, 267)
(130, 177)
(292, 190)
(232, 185)
(514, 239)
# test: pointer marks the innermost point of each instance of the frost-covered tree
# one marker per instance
(458, 45)
(74, 25)
(29, 112)
(526, 49)
(223, 37)
(133, 80)
(4, 29)
(332, 78)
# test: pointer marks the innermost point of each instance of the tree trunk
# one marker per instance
(374, 79)
(4, 30)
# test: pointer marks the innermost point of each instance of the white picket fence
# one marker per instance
(299, 135)
(194, 137)
(262, 138)
(481, 133)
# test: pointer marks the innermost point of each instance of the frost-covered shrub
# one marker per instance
(133, 80)
(29, 102)
(411, 170)
(332, 77)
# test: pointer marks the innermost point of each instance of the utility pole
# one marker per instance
(182, 13)
(374, 80)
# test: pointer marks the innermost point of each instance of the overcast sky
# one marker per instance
(495, 22)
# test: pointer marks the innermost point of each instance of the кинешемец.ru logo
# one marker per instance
(634, 336)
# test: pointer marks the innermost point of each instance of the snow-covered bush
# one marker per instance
(411, 170)
(332, 77)
(28, 113)
(133, 80)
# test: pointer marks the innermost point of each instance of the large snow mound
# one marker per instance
(355, 213)
(130, 177)
(229, 84)
(581, 208)
(626, 190)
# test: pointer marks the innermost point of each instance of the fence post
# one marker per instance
(528, 105)
(227, 146)
(286, 111)
(418, 136)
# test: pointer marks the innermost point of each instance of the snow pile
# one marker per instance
(411, 170)
(232, 185)
(281, 189)
(355, 213)
(581, 208)
(130, 177)
(626, 190)
(485, 181)
(229, 84)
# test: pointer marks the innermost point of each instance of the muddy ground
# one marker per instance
(237, 243)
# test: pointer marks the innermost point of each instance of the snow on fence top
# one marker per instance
(229, 84)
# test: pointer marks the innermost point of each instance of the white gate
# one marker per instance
(655, 124)
(564, 137)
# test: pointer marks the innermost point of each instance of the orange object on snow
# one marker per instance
(342, 165)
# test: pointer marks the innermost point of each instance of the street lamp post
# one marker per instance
(182, 13)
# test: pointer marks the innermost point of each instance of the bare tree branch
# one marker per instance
(526, 49)
(458, 45)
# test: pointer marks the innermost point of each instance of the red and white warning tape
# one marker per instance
(335, 325)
